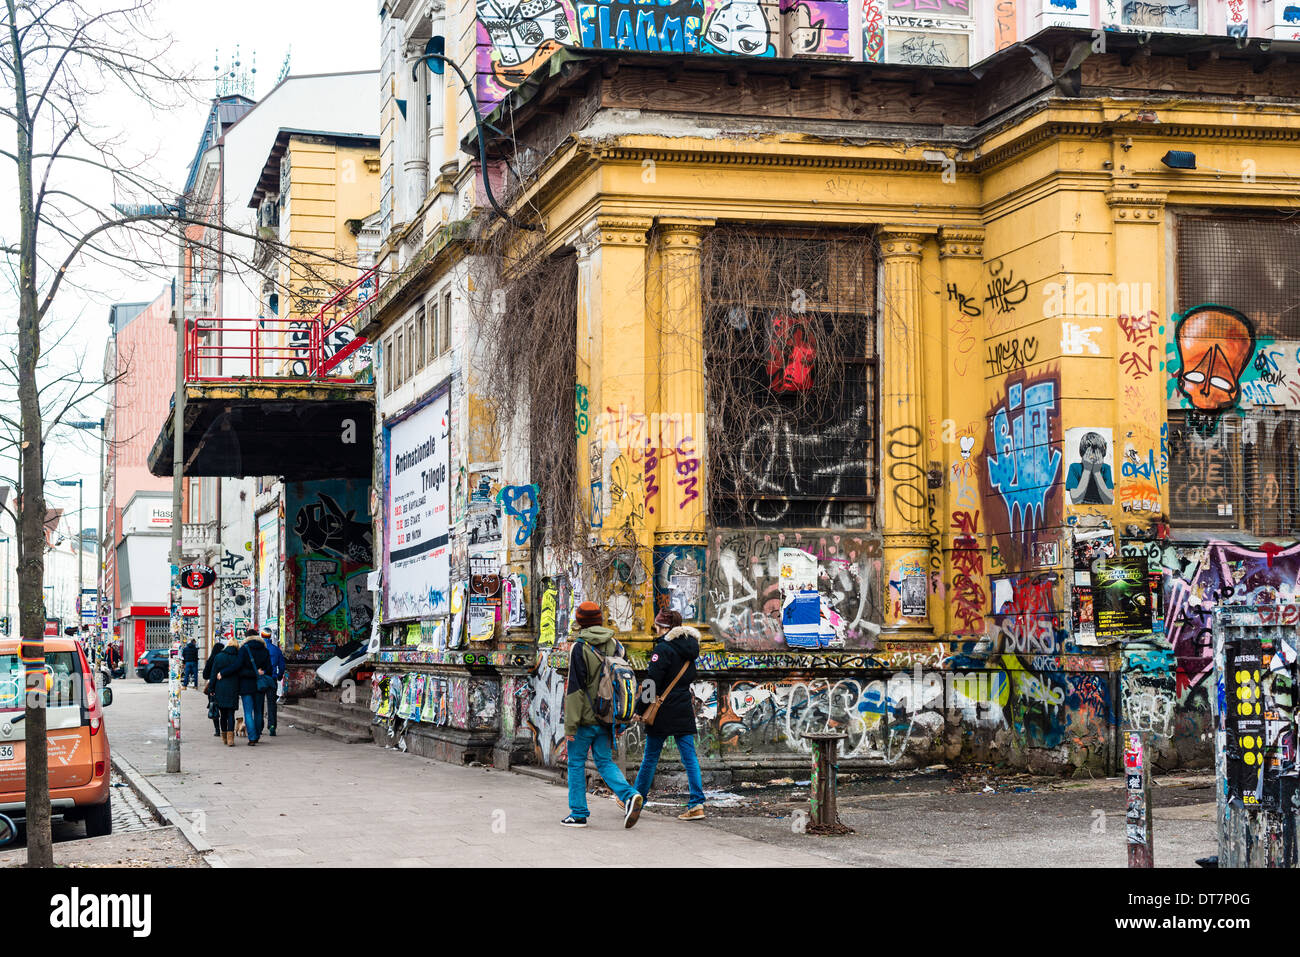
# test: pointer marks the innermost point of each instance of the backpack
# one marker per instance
(615, 701)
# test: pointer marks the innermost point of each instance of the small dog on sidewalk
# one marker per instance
(240, 730)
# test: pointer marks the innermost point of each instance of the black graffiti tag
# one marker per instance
(967, 304)
(909, 489)
(1012, 354)
(1006, 292)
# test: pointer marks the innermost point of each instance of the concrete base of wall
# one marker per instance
(443, 744)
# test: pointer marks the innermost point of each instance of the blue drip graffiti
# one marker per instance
(1026, 465)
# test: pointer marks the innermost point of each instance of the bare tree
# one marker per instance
(60, 60)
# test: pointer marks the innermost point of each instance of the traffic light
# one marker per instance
(4, 625)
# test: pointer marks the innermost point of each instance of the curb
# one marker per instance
(541, 774)
(163, 808)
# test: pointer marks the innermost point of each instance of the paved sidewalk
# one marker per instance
(301, 800)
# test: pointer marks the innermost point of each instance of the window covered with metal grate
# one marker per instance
(1234, 365)
(790, 357)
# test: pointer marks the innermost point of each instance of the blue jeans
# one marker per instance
(650, 762)
(253, 714)
(191, 673)
(600, 741)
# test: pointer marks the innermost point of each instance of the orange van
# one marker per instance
(78, 743)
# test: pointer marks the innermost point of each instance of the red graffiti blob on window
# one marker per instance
(1215, 344)
(791, 353)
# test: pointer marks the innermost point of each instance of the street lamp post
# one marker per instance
(99, 529)
(8, 625)
(177, 211)
(81, 505)
(178, 459)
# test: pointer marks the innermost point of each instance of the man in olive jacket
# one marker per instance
(582, 729)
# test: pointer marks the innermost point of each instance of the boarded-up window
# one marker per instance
(790, 360)
(1234, 360)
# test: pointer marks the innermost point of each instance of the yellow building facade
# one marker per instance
(942, 402)
(314, 192)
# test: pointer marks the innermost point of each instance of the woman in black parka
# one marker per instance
(676, 647)
(213, 711)
(225, 689)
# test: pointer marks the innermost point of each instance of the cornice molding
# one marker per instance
(632, 154)
(902, 242)
(961, 242)
(622, 230)
(676, 537)
(676, 233)
(1127, 206)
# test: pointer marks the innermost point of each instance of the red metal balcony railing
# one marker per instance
(238, 349)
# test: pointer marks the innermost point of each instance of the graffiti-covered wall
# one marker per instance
(771, 591)
(327, 556)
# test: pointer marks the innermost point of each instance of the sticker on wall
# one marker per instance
(454, 637)
(514, 591)
(482, 620)
(912, 596)
(546, 618)
(1089, 466)
(484, 597)
(483, 521)
(800, 601)
(1121, 597)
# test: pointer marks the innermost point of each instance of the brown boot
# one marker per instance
(230, 738)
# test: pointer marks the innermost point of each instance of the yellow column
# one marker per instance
(1141, 441)
(677, 499)
(621, 363)
(903, 496)
(961, 255)
(681, 505)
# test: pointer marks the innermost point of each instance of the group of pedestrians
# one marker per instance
(663, 704)
(246, 673)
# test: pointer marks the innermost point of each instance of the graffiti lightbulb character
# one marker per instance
(1215, 344)
(1090, 481)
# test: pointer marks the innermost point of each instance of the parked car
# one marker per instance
(78, 742)
(152, 665)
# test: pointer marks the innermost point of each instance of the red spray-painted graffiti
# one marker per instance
(969, 597)
(1025, 611)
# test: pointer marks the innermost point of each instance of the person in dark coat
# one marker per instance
(254, 663)
(676, 647)
(225, 689)
(277, 672)
(210, 687)
(190, 661)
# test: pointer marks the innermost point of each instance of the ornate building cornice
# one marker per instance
(622, 230)
(902, 241)
(961, 242)
(1129, 206)
(681, 233)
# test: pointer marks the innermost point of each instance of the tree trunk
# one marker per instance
(31, 510)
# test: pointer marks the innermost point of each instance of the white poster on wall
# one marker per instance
(417, 557)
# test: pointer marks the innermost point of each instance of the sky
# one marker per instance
(321, 36)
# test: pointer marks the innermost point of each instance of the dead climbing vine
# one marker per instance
(524, 309)
(789, 347)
